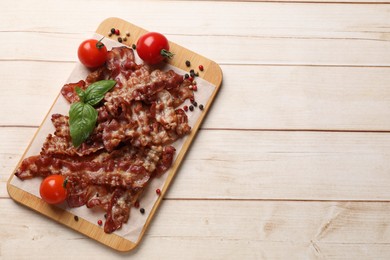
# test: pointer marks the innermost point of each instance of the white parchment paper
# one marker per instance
(132, 229)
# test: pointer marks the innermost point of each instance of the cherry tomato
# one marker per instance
(52, 189)
(153, 47)
(92, 53)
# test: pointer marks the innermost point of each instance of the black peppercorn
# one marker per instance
(188, 63)
(112, 30)
(201, 107)
(191, 108)
(142, 210)
(119, 39)
(76, 218)
(134, 46)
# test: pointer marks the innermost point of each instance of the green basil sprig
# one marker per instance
(82, 114)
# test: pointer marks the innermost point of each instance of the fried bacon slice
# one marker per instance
(121, 64)
(141, 89)
(68, 91)
(138, 120)
(122, 167)
(92, 179)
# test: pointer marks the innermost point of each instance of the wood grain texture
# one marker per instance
(220, 229)
(268, 33)
(292, 161)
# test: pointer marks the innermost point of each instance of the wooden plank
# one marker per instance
(264, 165)
(278, 50)
(296, 98)
(261, 18)
(286, 165)
(305, 1)
(275, 97)
(27, 99)
(330, 34)
(216, 229)
(14, 142)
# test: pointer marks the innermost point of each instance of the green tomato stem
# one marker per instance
(65, 183)
(167, 54)
(100, 44)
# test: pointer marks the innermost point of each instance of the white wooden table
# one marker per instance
(293, 160)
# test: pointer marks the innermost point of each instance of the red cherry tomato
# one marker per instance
(153, 47)
(92, 53)
(52, 189)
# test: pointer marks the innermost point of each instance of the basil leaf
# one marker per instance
(80, 93)
(96, 91)
(82, 115)
(82, 121)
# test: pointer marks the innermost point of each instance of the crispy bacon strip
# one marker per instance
(121, 64)
(181, 93)
(123, 167)
(141, 89)
(68, 91)
(118, 210)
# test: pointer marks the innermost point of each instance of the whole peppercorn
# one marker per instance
(119, 39)
(188, 63)
(191, 108)
(142, 210)
(134, 46)
(112, 30)
(201, 107)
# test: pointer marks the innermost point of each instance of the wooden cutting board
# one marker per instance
(212, 74)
